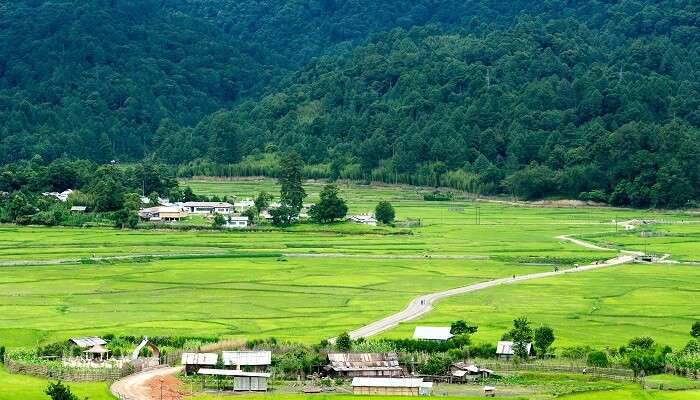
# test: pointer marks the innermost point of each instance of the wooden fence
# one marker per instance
(509, 366)
(67, 373)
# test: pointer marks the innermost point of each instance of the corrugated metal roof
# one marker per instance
(231, 372)
(506, 348)
(88, 341)
(390, 382)
(199, 358)
(364, 361)
(247, 358)
(432, 333)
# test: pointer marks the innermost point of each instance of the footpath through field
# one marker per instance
(424, 304)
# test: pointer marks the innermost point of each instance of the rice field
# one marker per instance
(311, 282)
(14, 387)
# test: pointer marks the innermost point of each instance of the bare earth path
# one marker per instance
(424, 304)
(135, 387)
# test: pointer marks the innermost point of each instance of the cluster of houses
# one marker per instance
(371, 373)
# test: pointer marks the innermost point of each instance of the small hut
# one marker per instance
(463, 372)
(97, 352)
(194, 361)
(253, 361)
(505, 350)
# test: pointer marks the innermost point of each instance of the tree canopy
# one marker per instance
(594, 100)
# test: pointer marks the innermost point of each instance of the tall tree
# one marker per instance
(292, 192)
(521, 335)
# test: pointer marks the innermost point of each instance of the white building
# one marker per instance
(236, 222)
(255, 360)
(505, 350)
(62, 196)
(364, 219)
(208, 207)
(433, 333)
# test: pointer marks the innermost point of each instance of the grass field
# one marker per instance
(16, 387)
(241, 284)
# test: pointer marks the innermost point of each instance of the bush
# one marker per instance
(59, 391)
(598, 359)
(2, 354)
(384, 212)
(436, 364)
(438, 196)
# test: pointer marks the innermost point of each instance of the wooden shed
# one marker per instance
(194, 361)
(391, 386)
(364, 365)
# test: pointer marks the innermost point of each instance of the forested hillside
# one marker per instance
(596, 100)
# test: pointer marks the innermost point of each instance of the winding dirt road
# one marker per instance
(424, 304)
(134, 387)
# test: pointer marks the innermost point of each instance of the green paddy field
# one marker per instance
(311, 282)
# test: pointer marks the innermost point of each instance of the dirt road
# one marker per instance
(136, 387)
(423, 304)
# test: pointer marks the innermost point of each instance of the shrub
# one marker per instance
(598, 359)
(59, 391)
(343, 342)
(384, 212)
(438, 196)
(436, 364)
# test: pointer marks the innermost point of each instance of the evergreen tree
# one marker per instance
(384, 212)
(292, 192)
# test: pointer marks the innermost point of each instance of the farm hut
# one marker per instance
(97, 352)
(86, 342)
(78, 209)
(193, 362)
(255, 361)
(364, 365)
(391, 386)
(433, 333)
(242, 381)
(505, 351)
(463, 372)
(490, 391)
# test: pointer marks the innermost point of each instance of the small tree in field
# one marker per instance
(384, 212)
(521, 334)
(695, 329)
(330, 206)
(59, 391)
(462, 327)
(544, 337)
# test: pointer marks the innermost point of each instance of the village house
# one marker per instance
(432, 333)
(462, 372)
(364, 219)
(251, 361)
(234, 222)
(391, 386)
(364, 365)
(208, 207)
(505, 351)
(62, 196)
(78, 209)
(193, 362)
(162, 213)
(87, 342)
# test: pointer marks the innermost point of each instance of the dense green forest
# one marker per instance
(598, 100)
